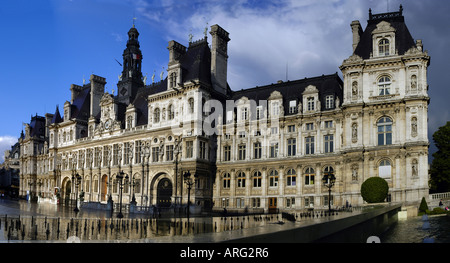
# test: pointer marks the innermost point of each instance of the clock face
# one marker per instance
(107, 124)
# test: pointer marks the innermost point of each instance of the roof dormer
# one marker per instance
(383, 38)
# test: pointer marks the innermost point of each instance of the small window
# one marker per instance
(383, 47)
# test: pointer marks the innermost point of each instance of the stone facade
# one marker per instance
(263, 148)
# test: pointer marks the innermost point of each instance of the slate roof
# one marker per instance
(292, 90)
(403, 39)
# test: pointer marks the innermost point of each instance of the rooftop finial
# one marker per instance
(134, 19)
(401, 9)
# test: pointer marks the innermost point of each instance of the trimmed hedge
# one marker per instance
(374, 190)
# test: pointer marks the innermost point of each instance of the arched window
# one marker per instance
(273, 178)
(384, 85)
(384, 169)
(191, 105)
(226, 181)
(156, 115)
(291, 177)
(384, 126)
(383, 47)
(309, 176)
(241, 180)
(257, 179)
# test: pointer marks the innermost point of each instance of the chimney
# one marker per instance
(97, 91)
(75, 89)
(176, 50)
(357, 31)
(219, 58)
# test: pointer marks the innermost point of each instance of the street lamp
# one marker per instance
(77, 180)
(189, 182)
(120, 178)
(328, 181)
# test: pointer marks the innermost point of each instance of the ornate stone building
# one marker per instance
(262, 147)
(287, 136)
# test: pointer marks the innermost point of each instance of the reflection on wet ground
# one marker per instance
(30, 222)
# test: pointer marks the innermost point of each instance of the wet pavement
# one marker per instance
(22, 222)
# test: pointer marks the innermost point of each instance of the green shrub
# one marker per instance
(423, 205)
(374, 190)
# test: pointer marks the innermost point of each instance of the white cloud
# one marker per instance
(311, 37)
(5, 144)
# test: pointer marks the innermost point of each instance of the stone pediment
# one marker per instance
(310, 90)
(383, 27)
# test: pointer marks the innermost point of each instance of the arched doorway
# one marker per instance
(66, 190)
(164, 193)
(104, 188)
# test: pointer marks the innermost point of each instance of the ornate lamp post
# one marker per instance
(189, 182)
(77, 180)
(120, 177)
(328, 181)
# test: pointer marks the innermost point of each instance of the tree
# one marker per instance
(440, 167)
(374, 190)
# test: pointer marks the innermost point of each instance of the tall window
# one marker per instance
(241, 180)
(156, 115)
(291, 178)
(384, 86)
(292, 106)
(310, 103)
(226, 181)
(227, 153)
(383, 47)
(191, 105)
(170, 112)
(173, 79)
(203, 150)
(257, 179)
(244, 114)
(309, 145)
(328, 170)
(273, 178)
(257, 149)
(189, 149)
(309, 176)
(169, 152)
(273, 150)
(291, 147)
(275, 109)
(329, 102)
(155, 154)
(241, 152)
(384, 131)
(328, 141)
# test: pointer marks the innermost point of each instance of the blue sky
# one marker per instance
(48, 45)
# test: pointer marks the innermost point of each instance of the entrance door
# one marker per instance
(164, 194)
(272, 204)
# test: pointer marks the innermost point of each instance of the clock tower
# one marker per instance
(131, 79)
